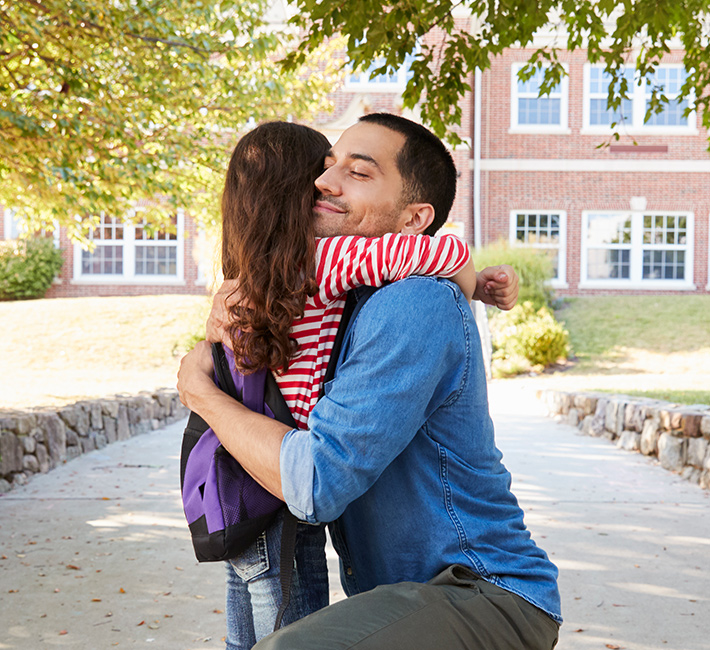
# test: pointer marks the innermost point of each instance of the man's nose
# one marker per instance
(328, 182)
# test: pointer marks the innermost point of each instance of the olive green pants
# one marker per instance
(456, 610)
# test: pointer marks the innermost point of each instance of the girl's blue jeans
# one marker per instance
(254, 587)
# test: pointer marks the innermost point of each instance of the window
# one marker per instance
(545, 231)
(156, 251)
(638, 249)
(395, 81)
(667, 79)
(107, 256)
(665, 238)
(131, 253)
(532, 113)
(598, 92)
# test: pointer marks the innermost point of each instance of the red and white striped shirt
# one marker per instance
(343, 263)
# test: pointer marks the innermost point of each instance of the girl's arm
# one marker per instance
(343, 263)
(466, 279)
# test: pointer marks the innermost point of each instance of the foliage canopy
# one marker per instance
(469, 33)
(103, 104)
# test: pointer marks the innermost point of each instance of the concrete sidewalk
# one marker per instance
(96, 553)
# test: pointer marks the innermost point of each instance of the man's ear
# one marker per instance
(416, 218)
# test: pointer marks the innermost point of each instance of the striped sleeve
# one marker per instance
(343, 263)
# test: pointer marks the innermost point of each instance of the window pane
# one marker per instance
(663, 265)
(609, 229)
(544, 110)
(605, 264)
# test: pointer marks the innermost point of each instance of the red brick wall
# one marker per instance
(497, 142)
(575, 191)
(578, 191)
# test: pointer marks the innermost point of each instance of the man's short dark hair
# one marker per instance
(425, 165)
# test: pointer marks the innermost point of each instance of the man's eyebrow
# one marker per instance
(366, 158)
(357, 156)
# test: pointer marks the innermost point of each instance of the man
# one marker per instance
(400, 451)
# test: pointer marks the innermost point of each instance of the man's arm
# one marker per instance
(406, 359)
(253, 439)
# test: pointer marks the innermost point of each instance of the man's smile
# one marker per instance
(329, 207)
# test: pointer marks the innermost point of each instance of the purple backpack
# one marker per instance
(226, 509)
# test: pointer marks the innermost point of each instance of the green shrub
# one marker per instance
(28, 268)
(526, 337)
(534, 268)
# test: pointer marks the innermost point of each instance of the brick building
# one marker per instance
(628, 217)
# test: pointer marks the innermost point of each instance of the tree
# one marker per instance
(612, 31)
(103, 104)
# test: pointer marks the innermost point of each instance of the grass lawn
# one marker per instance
(603, 327)
(57, 351)
(652, 346)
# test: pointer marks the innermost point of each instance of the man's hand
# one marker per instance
(218, 320)
(497, 286)
(195, 376)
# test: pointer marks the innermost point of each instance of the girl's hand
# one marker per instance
(497, 286)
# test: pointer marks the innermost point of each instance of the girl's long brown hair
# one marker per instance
(268, 239)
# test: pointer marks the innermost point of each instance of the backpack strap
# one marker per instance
(223, 373)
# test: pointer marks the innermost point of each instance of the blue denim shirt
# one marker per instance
(401, 452)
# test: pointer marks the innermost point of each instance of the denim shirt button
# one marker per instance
(349, 571)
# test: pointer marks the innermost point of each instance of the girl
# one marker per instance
(292, 289)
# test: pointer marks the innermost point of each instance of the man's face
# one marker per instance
(360, 187)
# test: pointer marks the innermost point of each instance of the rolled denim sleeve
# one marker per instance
(406, 356)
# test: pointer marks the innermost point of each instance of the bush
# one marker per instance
(525, 338)
(534, 268)
(28, 268)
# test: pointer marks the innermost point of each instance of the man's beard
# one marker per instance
(333, 225)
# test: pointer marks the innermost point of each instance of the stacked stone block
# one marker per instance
(679, 436)
(38, 440)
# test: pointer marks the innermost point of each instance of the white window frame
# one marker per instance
(129, 275)
(364, 84)
(636, 280)
(560, 282)
(638, 96)
(562, 127)
(10, 225)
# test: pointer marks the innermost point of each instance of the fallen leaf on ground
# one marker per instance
(96, 600)
(73, 567)
(218, 611)
(121, 591)
(580, 630)
(12, 591)
(141, 623)
(62, 632)
(611, 646)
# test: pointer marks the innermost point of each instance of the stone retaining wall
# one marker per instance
(679, 436)
(40, 439)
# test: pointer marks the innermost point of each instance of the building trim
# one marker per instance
(587, 165)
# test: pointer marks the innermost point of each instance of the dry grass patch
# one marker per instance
(58, 351)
